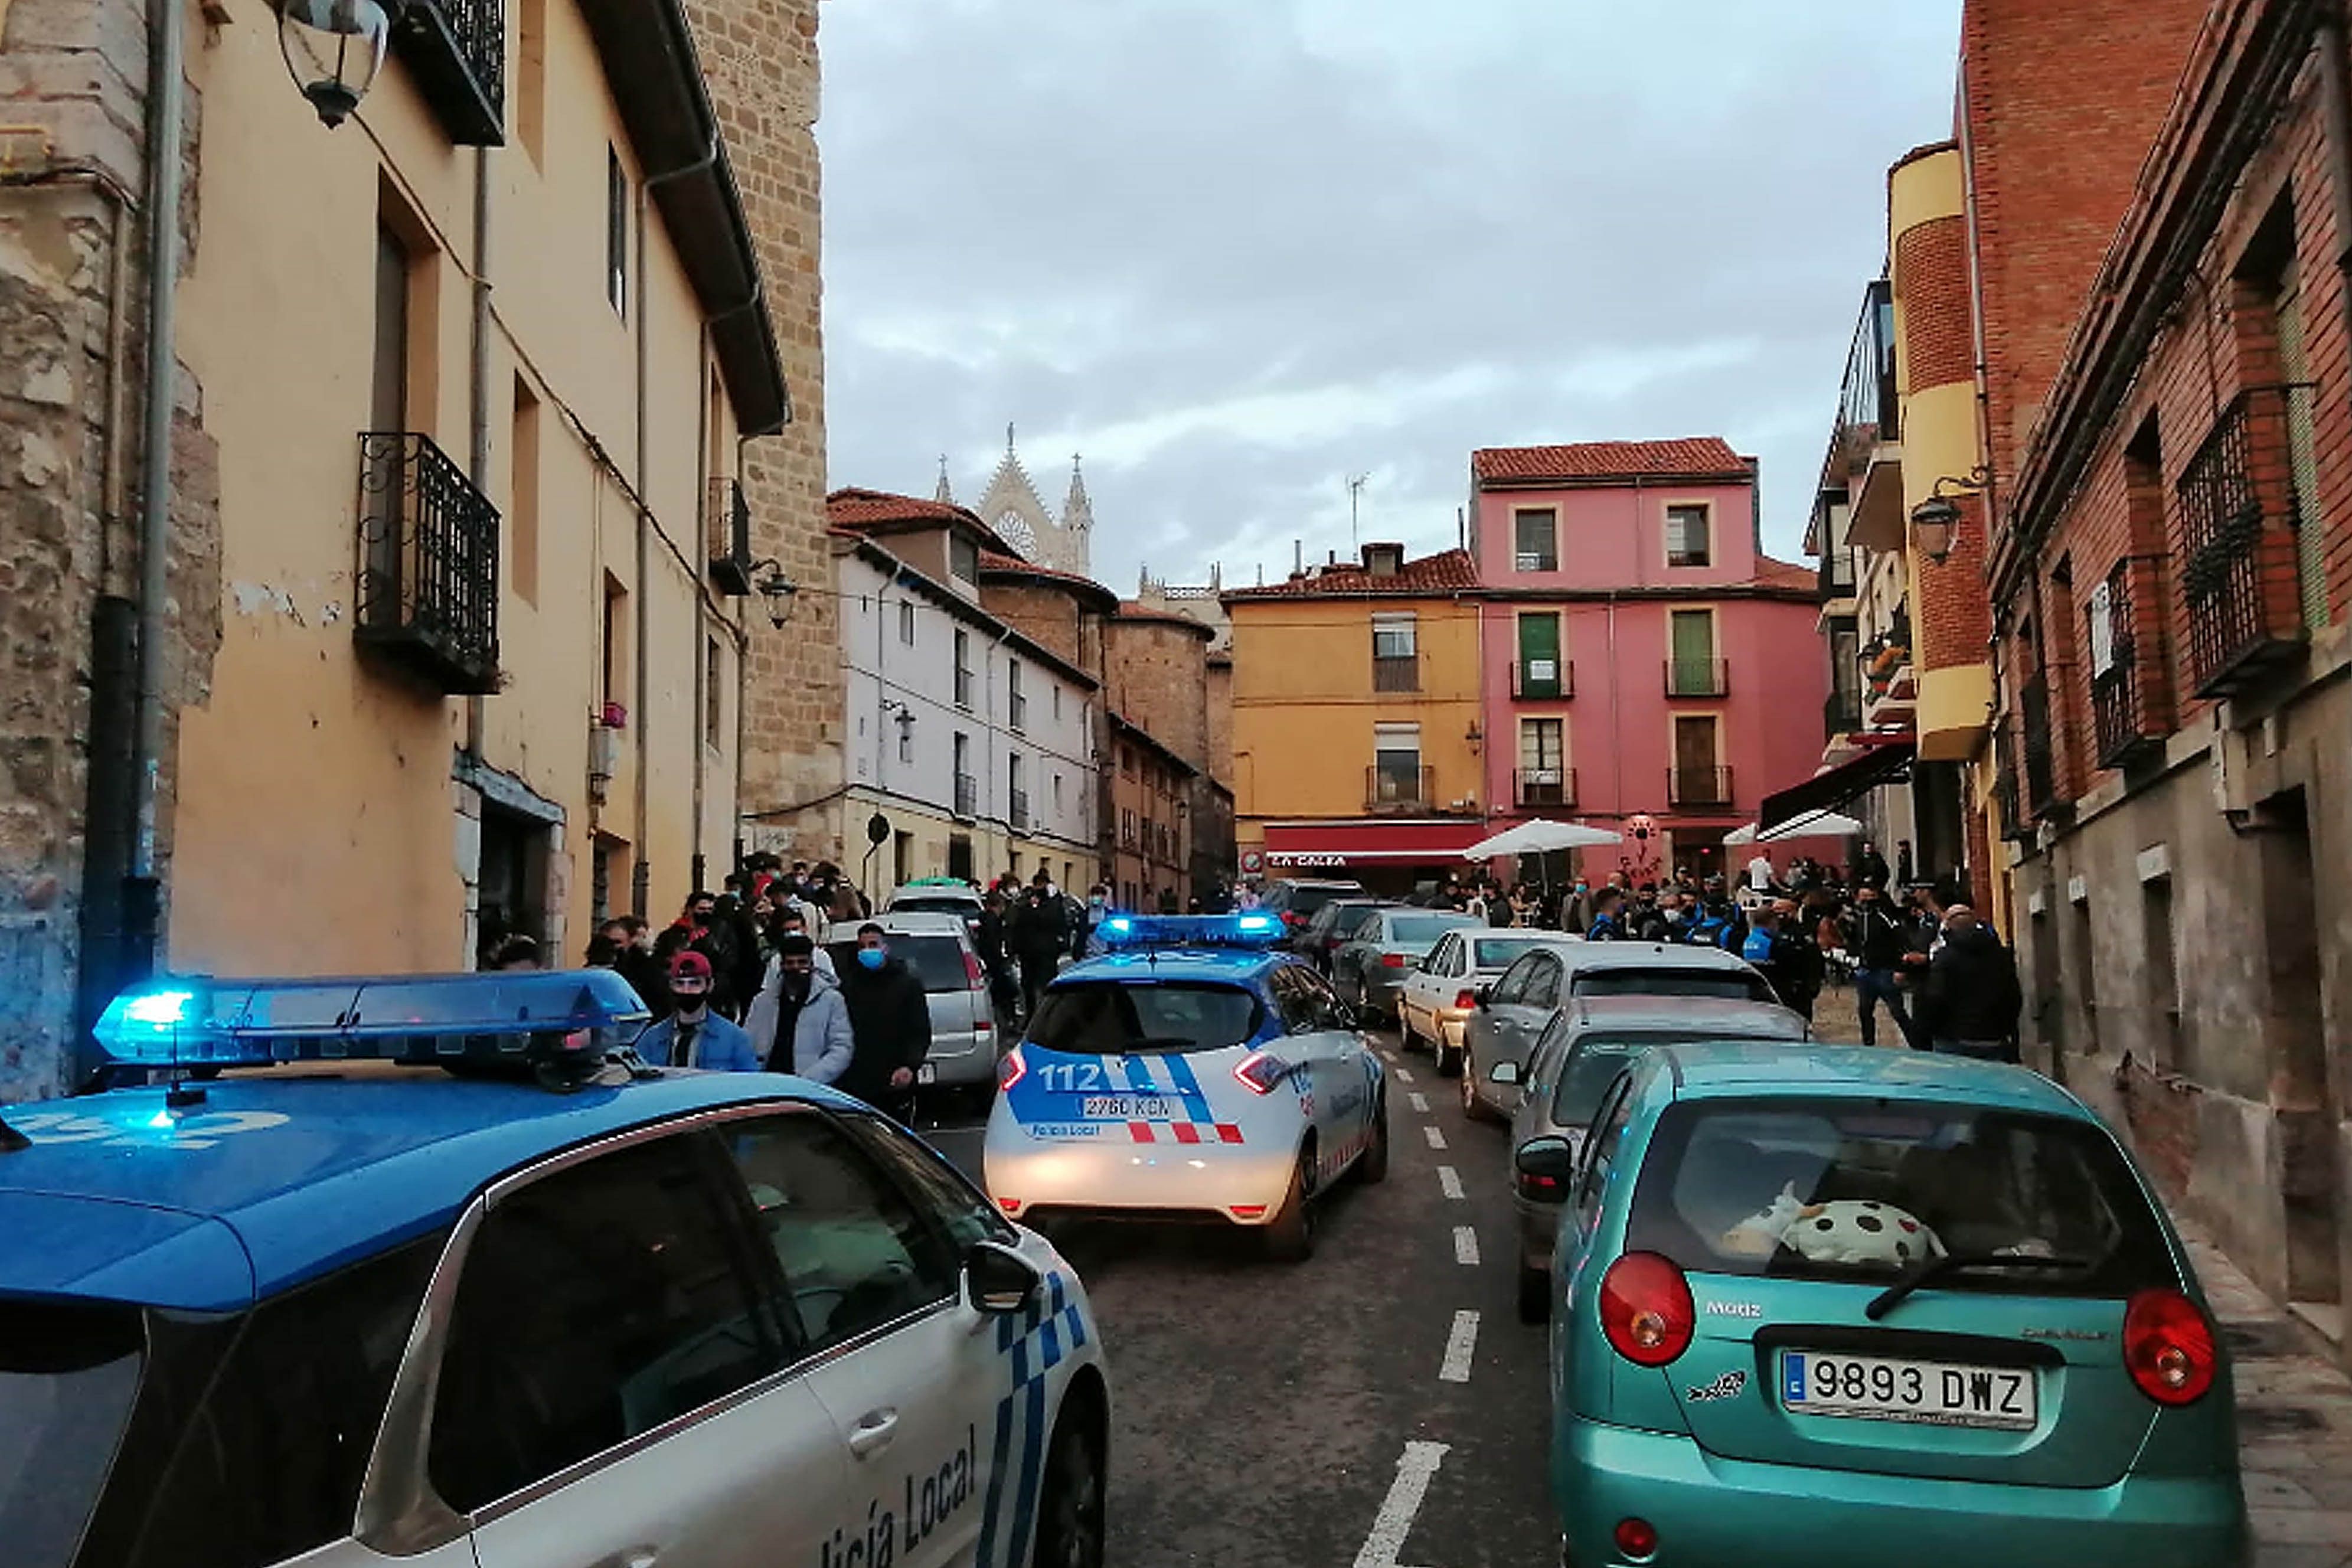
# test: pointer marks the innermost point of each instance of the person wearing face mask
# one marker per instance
(800, 1015)
(693, 1036)
(889, 1024)
(1039, 935)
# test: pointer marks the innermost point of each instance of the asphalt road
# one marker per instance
(1345, 1411)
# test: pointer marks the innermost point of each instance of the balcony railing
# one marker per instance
(1870, 410)
(1698, 677)
(456, 51)
(2236, 622)
(967, 796)
(1019, 816)
(2040, 759)
(1841, 714)
(1699, 787)
(2121, 720)
(1398, 789)
(1833, 578)
(1540, 680)
(1544, 786)
(727, 538)
(1400, 672)
(428, 581)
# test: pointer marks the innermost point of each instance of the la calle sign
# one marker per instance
(1316, 861)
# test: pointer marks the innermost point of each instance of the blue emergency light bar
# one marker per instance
(189, 1022)
(1126, 931)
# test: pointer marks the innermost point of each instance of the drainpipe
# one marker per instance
(2336, 99)
(166, 90)
(477, 379)
(702, 692)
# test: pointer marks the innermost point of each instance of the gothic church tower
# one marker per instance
(1013, 507)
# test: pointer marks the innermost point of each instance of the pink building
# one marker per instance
(1643, 659)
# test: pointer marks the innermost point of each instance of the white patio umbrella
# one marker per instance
(1539, 837)
(1811, 824)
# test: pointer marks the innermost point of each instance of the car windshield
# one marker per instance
(1861, 1189)
(1598, 1060)
(935, 904)
(1106, 1019)
(1422, 931)
(937, 960)
(1305, 900)
(68, 1375)
(1499, 954)
(1729, 984)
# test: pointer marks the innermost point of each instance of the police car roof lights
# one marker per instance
(190, 1022)
(1244, 931)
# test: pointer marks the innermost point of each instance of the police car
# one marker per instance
(1188, 1073)
(553, 1308)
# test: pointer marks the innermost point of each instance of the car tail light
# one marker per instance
(2168, 1347)
(1637, 1538)
(973, 973)
(1543, 1189)
(1464, 1000)
(1260, 1073)
(1248, 1211)
(1012, 1069)
(1393, 960)
(1646, 1309)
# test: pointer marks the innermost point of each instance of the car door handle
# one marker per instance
(873, 1433)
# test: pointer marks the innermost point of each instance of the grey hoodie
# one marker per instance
(822, 1044)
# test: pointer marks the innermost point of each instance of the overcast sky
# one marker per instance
(1234, 251)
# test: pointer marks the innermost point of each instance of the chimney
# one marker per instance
(1383, 560)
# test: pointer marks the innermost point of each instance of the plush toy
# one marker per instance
(1862, 1234)
(1759, 1235)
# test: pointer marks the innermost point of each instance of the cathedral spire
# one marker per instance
(1078, 510)
(944, 495)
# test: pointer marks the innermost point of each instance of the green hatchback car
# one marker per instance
(1822, 1306)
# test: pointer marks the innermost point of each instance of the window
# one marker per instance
(1020, 795)
(1690, 535)
(1513, 986)
(388, 393)
(1601, 1148)
(596, 1303)
(1693, 670)
(1057, 704)
(1396, 762)
(906, 737)
(967, 789)
(907, 622)
(1543, 769)
(1015, 701)
(963, 558)
(1396, 664)
(713, 693)
(1057, 795)
(616, 232)
(1538, 673)
(1543, 985)
(962, 668)
(946, 1198)
(1100, 1017)
(1535, 535)
(855, 1253)
(616, 634)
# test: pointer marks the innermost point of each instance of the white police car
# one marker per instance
(1188, 1073)
(578, 1312)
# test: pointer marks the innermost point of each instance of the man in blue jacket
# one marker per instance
(693, 1036)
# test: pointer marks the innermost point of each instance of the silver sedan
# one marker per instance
(1370, 968)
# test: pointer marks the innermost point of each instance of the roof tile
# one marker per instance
(1608, 460)
(1449, 572)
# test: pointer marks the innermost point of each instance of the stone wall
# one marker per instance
(761, 57)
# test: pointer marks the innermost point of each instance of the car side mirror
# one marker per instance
(1549, 1164)
(1344, 1016)
(1503, 1072)
(998, 1281)
(1483, 995)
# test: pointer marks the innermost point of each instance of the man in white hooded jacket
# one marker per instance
(798, 1017)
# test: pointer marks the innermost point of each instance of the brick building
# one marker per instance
(2171, 566)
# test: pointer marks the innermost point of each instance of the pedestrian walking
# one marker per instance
(799, 1019)
(889, 1024)
(695, 1035)
(1003, 991)
(1038, 935)
(1969, 1003)
(1882, 950)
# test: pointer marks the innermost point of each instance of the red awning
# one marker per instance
(1309, 845)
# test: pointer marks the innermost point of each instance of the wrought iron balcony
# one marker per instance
(727, 530)
(2238, 620)
(1540, 680)
(2123, 721)
(1398, 789)
(457, 50)
(1833, 578)
(2040, 759)
(428, 579)
(1400, 672)
(967, 796)
(1699, 787)
(1544, 786)
(1698, 677)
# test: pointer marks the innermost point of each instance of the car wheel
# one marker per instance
(1290, 1238)
(1535, 1295)
(1373, 1166)
(1450, 1059)
(1070, 1503)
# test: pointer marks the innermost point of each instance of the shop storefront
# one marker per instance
(1393, 859)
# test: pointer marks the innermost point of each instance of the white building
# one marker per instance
(972, 743)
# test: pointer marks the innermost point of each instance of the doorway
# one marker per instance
(2302, 1092)
(960, 856)
(1696, 778)
(512, 891)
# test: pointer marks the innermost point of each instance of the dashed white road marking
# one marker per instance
(1450, 1180)
(1465, 1246)
(1405, 1075)
(1459, 1343)
(1415, 1469)
(1435, 1136)
(1419, 1102)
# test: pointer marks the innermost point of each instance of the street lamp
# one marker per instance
(781, 592)
(333, 49)
(1936, 521)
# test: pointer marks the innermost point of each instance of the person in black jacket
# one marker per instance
(890, 1023)
(1038, 932)
(1970, 1003)
(1882, 951)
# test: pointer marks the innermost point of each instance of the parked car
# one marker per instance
(1579, 1055)
(964, 1040)
(1436, 999)
(1296, 901)
(940, 896)
(1331, 927)
(1508, 1015)
(1823, 1306)
(1371, 966)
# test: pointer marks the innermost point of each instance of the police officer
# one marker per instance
(1607, 916)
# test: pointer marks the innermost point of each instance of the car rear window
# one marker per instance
(1497, 952)
(1104, 1018)
(1352, 918)
(1859, 1190)
(937, 960)
(934, 904)
(68, 1376)
(1306, 901)
(1600, 1057)
(1425, 929)
(1728, 985)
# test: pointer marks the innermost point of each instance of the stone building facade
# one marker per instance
(761, 60)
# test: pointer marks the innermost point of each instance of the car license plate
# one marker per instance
(1131, 1108)
(925, 1073)
(1888, 1388)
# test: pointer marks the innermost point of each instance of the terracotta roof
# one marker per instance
(1708, 455)
(863, 509)
(1137, 610)
(996, 563)
(1449, 572)
(1772, 573)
